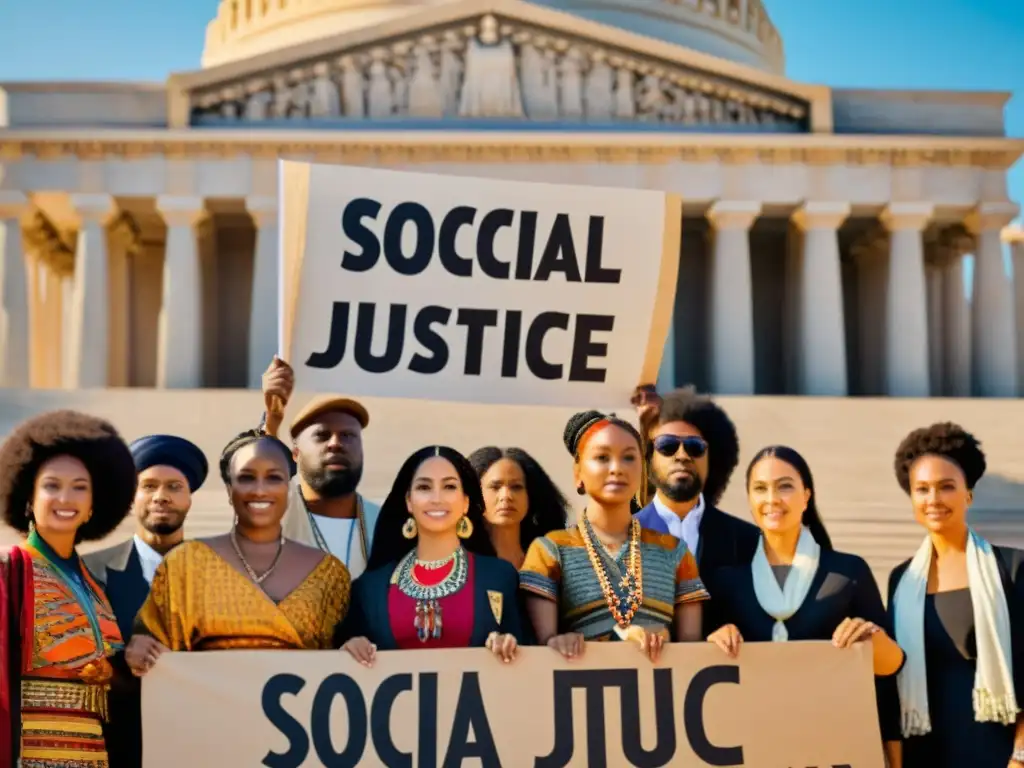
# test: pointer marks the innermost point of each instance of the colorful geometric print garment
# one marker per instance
(200, 602)
(66, 677)
(558, 567)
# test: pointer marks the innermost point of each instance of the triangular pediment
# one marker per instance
(493, 59)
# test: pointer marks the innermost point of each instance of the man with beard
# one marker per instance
(170, 469)
(692, 450)
(324, 509)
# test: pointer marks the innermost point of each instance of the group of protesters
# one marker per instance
(478, 551)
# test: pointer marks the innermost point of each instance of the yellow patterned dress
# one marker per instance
(200, 602)
(66, 676)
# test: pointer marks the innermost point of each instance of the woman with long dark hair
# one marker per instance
(798, 587)
(432, 580)
(521, 502)
(607, 578)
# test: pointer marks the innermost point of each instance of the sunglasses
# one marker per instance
(668, 445)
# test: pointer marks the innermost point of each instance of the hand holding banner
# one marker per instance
(781, 705)
(456, 288)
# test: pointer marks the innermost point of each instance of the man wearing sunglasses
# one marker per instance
(692, 451)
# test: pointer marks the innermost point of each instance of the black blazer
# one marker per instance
(843, 587)
(119, 570)
(368, 612)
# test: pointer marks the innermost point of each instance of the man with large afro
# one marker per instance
(692, 450)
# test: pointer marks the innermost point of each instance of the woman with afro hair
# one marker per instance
(607, 578)
(957, 607)
(521, 502)
(65, 478)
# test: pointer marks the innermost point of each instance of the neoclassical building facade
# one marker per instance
(825, 230)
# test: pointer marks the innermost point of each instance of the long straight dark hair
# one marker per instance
(811, 518)
(389, 545)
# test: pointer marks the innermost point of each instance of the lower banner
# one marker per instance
(780, 705)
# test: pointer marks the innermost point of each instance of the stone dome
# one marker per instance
(738, 30)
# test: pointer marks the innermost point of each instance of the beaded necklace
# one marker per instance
(428, 622)
(632, 582)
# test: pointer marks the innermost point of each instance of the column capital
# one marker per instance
(820, 214)
(1013, 234)
(904, 216)
(181, 210)
(95, 208)
(263, 210)
(733, 214)
(13, 204)
(988, 216)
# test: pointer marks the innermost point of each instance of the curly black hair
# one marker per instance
(705, 415)
(389, 545)
(548, 508)
(93, 441)
(945, 439)
(243, 439)
(579, 423)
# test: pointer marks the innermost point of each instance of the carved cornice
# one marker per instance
(588, 149)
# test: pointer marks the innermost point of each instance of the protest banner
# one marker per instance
(780, 705)
(468, 289)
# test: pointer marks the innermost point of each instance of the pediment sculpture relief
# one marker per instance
(501, 70)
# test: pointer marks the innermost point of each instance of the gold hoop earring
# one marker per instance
(409, 528)
(464, 529)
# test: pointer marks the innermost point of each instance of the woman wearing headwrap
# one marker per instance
(433, 580)
(249, 588)
(607, 578)
(65, 477)
(797, 587)
(958, 610)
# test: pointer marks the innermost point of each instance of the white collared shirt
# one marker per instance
(149, 558)
(686, 528)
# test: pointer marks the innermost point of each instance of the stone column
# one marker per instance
(993, 331)
(263, 312)
(88, 325)
(14, 293)
(821, 327)
(180, 330)
(1015, 238)
(957, 327)
(906, 308)
(732, 304)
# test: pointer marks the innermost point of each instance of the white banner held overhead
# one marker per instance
(455, 288)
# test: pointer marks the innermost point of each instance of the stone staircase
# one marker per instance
(849, 443)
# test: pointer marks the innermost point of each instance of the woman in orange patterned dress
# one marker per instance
(64, 478)
(250, 588)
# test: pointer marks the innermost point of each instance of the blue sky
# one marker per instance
(942, 44)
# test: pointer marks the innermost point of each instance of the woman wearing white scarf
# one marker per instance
(956, 606)
(798, 587)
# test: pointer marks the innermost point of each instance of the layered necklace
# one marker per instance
(625, 603)
(258, 578)
(428, 622)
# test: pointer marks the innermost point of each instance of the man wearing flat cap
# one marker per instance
(324, 509)
(170, 469)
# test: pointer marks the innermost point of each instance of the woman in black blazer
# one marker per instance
(798, 587)
(958, 610)
(432, 580)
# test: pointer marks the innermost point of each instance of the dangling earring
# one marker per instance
(409, 528)
(464, 529)
(31, 518)
(234, 523)
(581, 490)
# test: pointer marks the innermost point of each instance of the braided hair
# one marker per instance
(581, 423)
(249, 437)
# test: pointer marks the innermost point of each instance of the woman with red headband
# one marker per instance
(607, 578)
